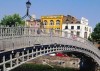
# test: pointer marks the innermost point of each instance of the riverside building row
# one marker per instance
(68, 24)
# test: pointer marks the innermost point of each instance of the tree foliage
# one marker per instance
(96, 33)
(12, 20)
(90, 39)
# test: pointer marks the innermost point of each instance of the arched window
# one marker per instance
(51, 22)
(58, 22)
(85, 34)
(45, 22)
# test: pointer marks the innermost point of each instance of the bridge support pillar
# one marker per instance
(10, 60)
(40, 51)
(50, 49)
(53, 49)
(4, 66)
(23, 56)
(32, 53)
(27, 54)
(47, 49)
(36, 52)
(44, 51)
(17, 60)
(56, 48)
(59, 48)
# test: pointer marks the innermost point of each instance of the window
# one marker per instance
(51, 22)
(85, 34)
(31, 24)
(78, 34)
(66, 27)
(58, 22)
(45, 22)
(57, 28)
(78, 27)
(71, 22)
(85, 28)
(72, 32)
(67, 21)
(72, 27)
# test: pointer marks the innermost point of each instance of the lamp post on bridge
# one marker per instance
(28, 4)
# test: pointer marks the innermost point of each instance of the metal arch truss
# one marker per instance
(22, 44)
(20, 56)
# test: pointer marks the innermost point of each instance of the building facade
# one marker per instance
(33, 23)
(53, 21)
(56, 22)
(68, 24)
(80, 28)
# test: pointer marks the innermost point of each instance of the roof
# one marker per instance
(38, 20)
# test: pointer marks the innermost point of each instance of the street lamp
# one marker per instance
(28, 4)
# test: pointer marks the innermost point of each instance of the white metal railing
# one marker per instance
(12, 37)
(19, 37)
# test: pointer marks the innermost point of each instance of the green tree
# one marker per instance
(96, 33)
(89, 38)
(12, 20)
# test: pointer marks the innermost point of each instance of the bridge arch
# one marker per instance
(33, 52)
(25, 45)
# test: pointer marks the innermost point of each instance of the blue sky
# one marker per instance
(78, 8)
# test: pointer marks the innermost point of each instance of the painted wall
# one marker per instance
(83, 29)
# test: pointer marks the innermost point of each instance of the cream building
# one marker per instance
(81, 29)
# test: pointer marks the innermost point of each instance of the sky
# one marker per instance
(77, 8)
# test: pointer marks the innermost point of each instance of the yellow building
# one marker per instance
(53, 21)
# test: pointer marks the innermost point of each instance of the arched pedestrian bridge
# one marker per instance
(21, 44)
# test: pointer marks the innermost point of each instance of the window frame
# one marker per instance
(72, 26)
(57, 22)
(66, 27)
(78, 27)
(45, 22)
(51, 22)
